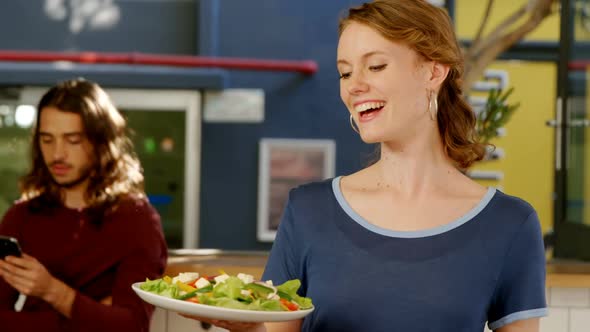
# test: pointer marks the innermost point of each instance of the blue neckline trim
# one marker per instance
(409, 234)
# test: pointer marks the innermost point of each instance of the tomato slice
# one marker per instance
(193, 299)
(290, 305)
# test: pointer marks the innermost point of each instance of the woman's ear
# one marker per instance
(438, 74)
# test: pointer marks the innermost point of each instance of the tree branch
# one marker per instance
(485, 51)
(498, 31)
(484, 22)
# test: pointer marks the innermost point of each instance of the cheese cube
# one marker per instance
(221, 278)
(246, 278)
(202, 282)
(185, 277)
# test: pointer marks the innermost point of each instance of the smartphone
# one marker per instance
(9, 247)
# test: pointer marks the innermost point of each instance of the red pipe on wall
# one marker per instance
(578, 65)
(307, 67)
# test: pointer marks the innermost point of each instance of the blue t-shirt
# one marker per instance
(487, 266)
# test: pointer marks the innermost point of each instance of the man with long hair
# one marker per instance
(83, 222)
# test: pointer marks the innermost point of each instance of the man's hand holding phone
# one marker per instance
(28, 276)
(9, 247)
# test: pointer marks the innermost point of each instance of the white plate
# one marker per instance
(213, 312)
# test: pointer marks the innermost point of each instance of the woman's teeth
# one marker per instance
(368, 106)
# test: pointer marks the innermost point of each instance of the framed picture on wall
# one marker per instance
(285, 164)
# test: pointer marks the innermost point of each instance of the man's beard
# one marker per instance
(85, 174)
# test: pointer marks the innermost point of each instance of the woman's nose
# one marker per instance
(357, 84)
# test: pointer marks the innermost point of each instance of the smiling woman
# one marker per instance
(407, 61)
(378, 83)
(429, 240)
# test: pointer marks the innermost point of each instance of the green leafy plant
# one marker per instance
(496, 113)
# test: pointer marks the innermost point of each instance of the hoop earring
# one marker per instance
(354, 127)
(432, 97)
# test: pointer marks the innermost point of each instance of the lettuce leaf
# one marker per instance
(230, 288)
(160, 287)
(290, 288)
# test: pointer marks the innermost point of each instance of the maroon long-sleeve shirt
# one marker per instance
(96, 260)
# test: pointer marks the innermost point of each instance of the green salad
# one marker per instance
(234, 292)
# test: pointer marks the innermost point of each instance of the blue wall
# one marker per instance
(296, 107)
(124, 26)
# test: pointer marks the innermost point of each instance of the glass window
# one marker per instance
(15, 128)
(158, 137)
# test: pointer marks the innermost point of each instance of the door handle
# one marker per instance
(552, 123)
